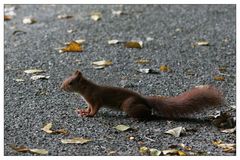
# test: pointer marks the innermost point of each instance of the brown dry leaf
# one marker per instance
(61, 131)
(7, 18)
(134, 44)
(188, 148)
(64, 16)
(164, 68)
(76, 140)
(73, 46)
(96, 16)
(202, 43)
(26, 149)
(142, 61)
(223, 120)
(20, 148)
(219, 78)
(176, 131)
(222, 69)
(34, 71)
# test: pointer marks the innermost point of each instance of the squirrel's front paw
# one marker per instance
(82, 112)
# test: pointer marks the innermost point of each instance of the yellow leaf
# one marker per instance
(219, 78)
(76, 140)
(134, 44)
(164, 68)
(222, 69)
(170, 151)
(144, 150)
(181, 153)
(72, 47)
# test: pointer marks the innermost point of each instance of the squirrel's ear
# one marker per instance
(78, 73)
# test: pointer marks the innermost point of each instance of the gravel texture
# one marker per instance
(30, 104)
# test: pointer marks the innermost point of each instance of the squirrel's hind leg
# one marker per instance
(136, 109)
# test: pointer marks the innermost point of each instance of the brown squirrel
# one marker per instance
(136, 105)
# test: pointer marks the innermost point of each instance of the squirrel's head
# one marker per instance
(72, 83)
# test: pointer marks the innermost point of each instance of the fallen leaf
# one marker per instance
(117, 13)
(73, 46)
(47, 128)
(29, 20)
(142, 61)
(111, 153)
(178, 30)
(222, 69)
(202, 43)
(38, 151)
(113, 41)
(230, 130)
(7, 18)
(154, 152)
(176, 131)
(219, 78)
(131, 138)
(36, 77)
(170, 151)
(96, 16)
(164, 68)
(102, 63)
(80, 41)
(34, 71)
(144, 150)
(134, 44)
(20, 148)
(26, 149)
(19, 80)
(181, 153)
(9, 11)
(122, 127)
(77, 140)
(145, 70)
(227, 147)
(185, 147)
(64, 16)
(149, 39)
(223, 120)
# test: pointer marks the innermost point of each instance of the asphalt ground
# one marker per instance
(28, 105)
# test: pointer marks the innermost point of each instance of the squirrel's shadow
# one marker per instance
(153, 118)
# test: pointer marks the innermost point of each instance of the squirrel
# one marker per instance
(136, 105)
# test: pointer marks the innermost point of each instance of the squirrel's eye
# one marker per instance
(70, 83)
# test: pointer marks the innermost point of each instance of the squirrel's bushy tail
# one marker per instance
(186, 103)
